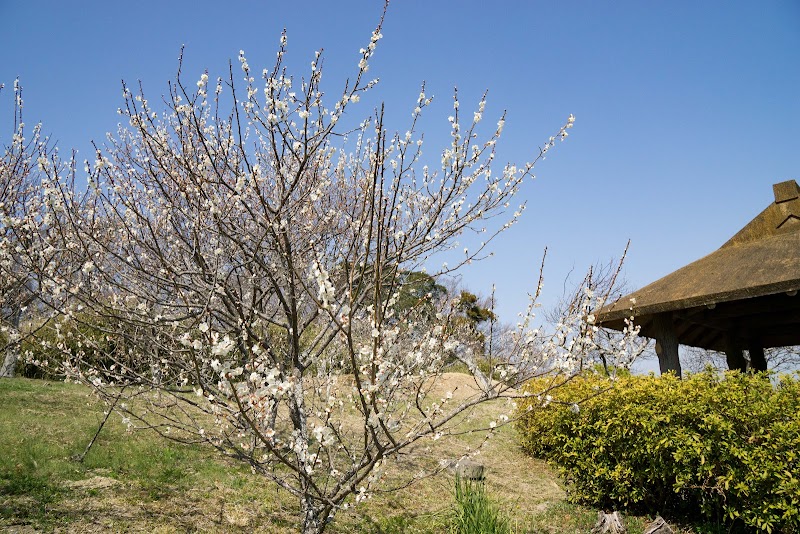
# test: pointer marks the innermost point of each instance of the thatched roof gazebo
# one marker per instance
(740, 297)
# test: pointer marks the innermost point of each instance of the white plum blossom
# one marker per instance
(223, 347)
(278, 260)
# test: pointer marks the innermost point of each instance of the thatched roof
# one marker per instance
(748, 286)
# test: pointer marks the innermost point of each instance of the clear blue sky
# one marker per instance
(687, 112)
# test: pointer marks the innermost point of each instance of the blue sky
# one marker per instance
(687, 112)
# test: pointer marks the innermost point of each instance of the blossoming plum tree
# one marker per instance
(243, 262)
(15, 169)
(30, 255)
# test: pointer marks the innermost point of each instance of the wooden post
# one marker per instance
(757, 360)
(666, 343)
(733, 354)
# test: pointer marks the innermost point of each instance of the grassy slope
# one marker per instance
(140, 483)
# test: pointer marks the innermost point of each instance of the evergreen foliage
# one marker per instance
(724, 447)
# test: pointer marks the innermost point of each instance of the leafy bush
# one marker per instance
(474, 512)
(46, 348)
(722, 447)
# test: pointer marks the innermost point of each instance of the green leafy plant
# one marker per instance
(723, 447)
(474, 512)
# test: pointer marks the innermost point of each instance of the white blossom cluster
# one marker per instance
(245, 270)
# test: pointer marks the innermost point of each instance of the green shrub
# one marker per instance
(474, 512)
(721, 447)
(88, 342)
(61, 338)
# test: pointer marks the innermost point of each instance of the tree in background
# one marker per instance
(18, 188)
(471, 319)
(248, 244)
(25, 221)
(610, 349)
(779, 359)
(474, 311)
(419, 293)
(39, 265)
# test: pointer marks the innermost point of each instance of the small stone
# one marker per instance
(469, 469)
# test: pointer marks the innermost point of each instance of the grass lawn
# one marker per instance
(137, 482)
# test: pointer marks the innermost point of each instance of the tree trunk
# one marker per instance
(10, 361)
(313, 523)
(609, 524)
(12, 349)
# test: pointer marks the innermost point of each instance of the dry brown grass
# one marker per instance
(139, 483)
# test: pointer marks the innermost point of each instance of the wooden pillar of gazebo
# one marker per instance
(758, 362)
(740, 299)
(666, 343)
(734, 354)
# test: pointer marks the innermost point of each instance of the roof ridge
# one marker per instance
(781, 216)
